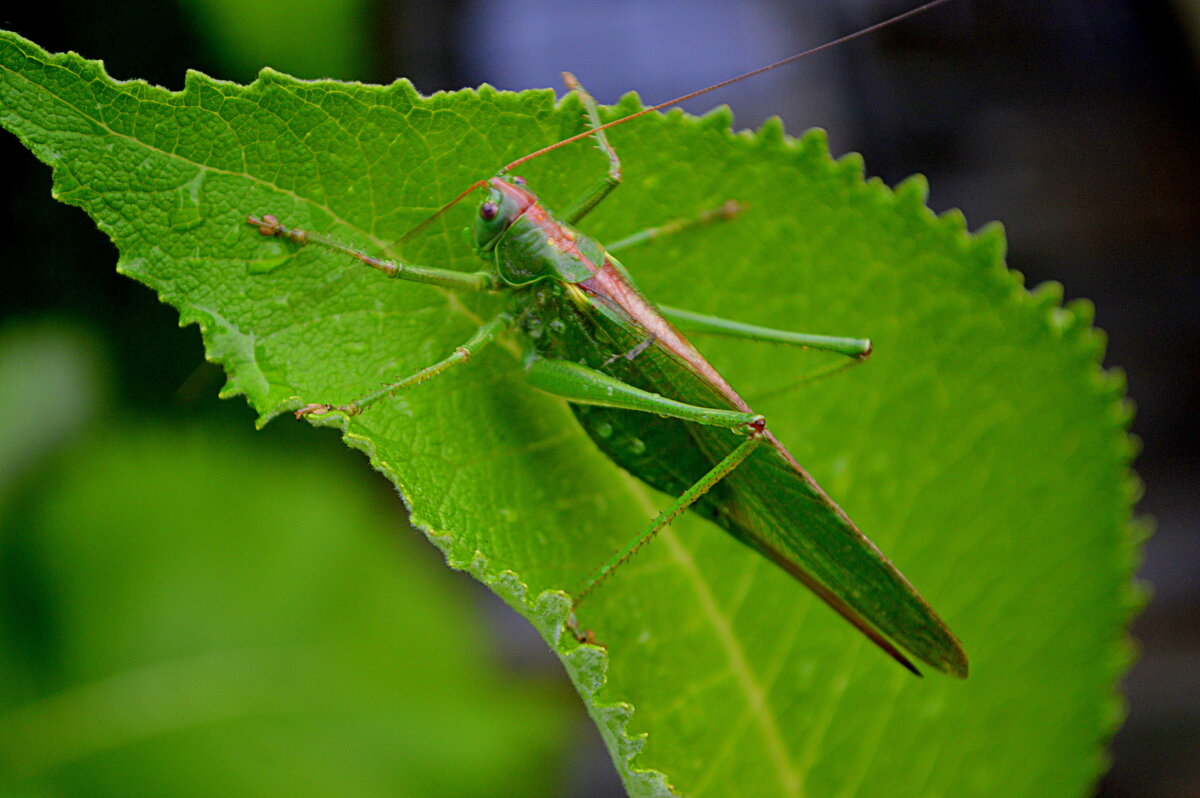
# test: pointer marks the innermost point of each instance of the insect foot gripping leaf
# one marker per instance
(1007, 504)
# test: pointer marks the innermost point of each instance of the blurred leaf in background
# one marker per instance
(184, 611)
(118, 341)
(311, 39)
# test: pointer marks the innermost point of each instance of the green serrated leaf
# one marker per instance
(981, 448)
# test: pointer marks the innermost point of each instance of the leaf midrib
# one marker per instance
(744, 676)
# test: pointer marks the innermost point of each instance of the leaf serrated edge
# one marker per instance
(587, 665)
(1072, 322)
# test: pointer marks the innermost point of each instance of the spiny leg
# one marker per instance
(268, 225)
(612, 179)
(482, 337)
(689, 497)
(587, 386)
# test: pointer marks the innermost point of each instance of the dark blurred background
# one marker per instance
(1074, 123)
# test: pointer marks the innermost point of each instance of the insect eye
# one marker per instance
(488, 210)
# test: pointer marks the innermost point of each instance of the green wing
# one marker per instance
(769, 502)
(773, 506)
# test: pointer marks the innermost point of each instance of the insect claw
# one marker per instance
(731, 208)
(584, 636)
(351, 409)
(313, 410)
(270, 226)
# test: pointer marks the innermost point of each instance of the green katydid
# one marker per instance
(651, 402)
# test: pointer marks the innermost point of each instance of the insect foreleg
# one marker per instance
(482, 337)
(446, 278)
(602, 189)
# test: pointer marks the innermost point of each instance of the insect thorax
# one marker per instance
(537, 247)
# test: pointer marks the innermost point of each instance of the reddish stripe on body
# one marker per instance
(611, 284)
(556, 234)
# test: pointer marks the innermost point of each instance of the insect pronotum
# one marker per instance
(659, 391)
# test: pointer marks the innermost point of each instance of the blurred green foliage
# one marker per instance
(185, 612)
(308, 38)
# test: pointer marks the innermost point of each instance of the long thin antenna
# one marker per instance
(593, 131)
(417, 230)
(849, 37)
